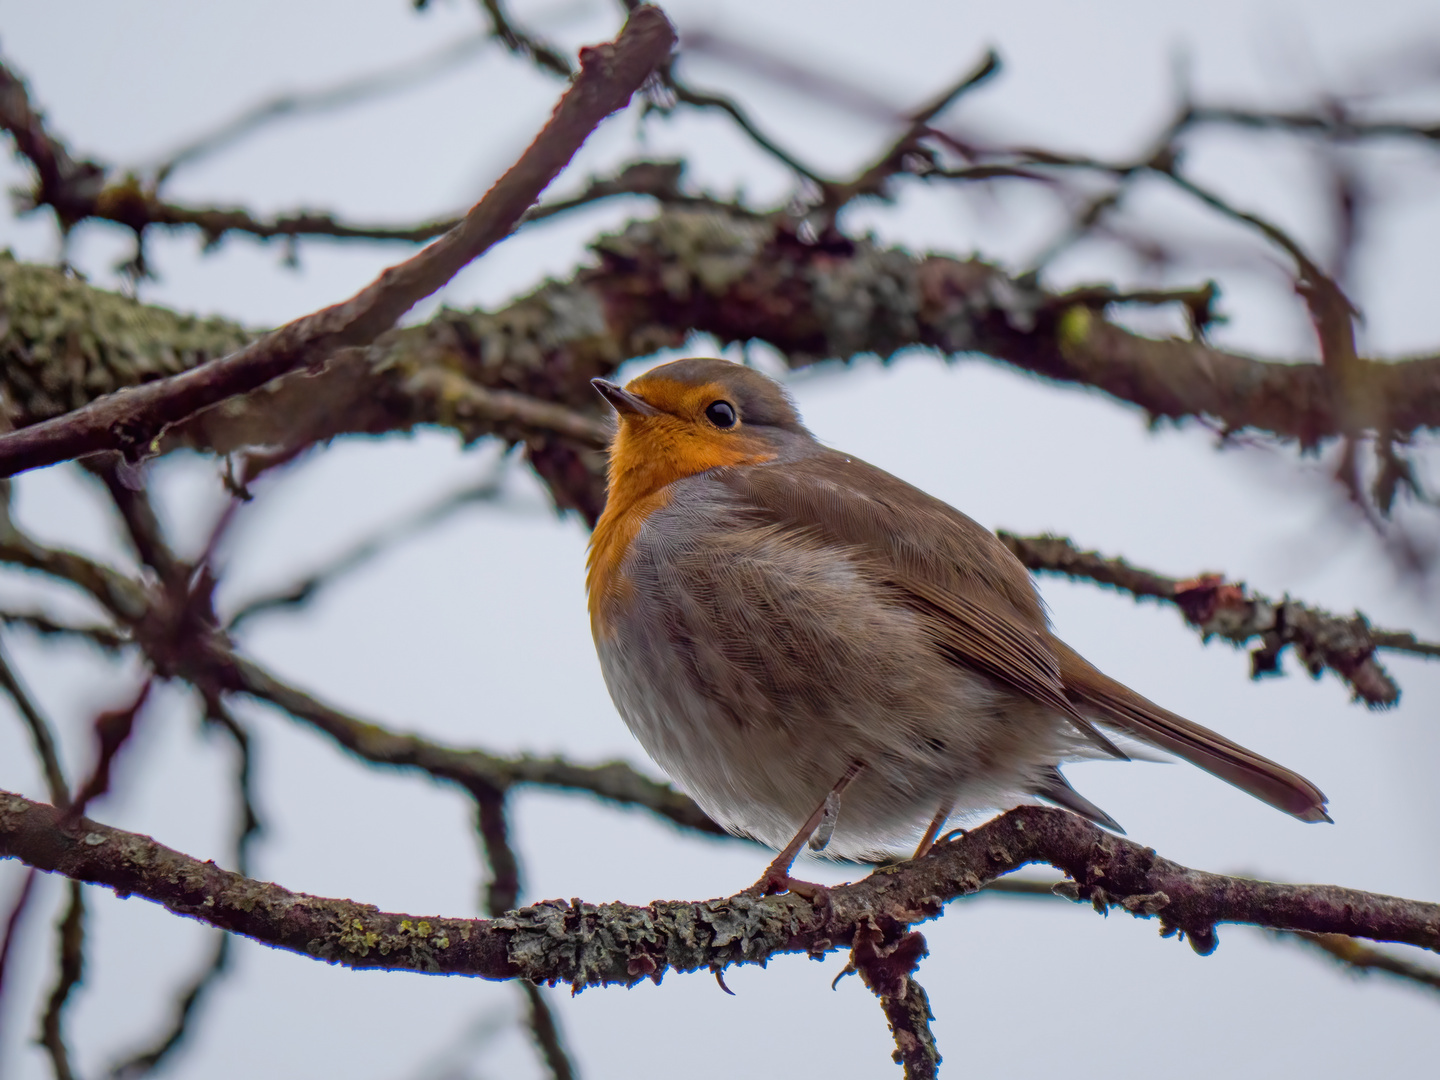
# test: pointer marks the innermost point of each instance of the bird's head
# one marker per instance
(689, 416)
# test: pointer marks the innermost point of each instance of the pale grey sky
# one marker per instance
(477, 634)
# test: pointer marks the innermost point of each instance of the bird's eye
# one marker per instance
(721, 414)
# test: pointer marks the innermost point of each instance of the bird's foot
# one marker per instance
(777, 880)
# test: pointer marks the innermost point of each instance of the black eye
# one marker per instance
(720, 413)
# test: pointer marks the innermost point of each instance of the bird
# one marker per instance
(819, 653)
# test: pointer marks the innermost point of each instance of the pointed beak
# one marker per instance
(626, 403)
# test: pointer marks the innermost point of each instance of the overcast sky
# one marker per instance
(476, 633)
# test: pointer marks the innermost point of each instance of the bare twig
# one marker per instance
(40, 732)
(189, 1000)
(71, 937)
(142, 524)
(1363, 959)
(1332, 124)
(504, 30)
(132, 422)
(352, 91)
(42, 623)
(685, 94)
(900, 156)
(588, 945)
(61, 182)
(127, 202)
(782, 67)
(303, 591)
(112, 730)
(546, 1033)
(502, 895)
(13, 922)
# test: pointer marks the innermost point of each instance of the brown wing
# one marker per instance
(973, 593)
(985, 614)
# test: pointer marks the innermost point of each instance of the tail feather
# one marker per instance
(1053, 787)
(1117, 705)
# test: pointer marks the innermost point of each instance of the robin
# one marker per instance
(781, 624)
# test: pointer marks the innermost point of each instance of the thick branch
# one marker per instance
(1344, 645)
(738, 277)
(589, 945)
(131, 422)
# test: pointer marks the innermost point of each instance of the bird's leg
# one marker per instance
(817, 831)
(928, 840)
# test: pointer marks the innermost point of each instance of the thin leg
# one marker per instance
(928, 840)
(777, 877)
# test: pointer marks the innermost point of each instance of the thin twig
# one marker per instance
(501, 895)
(1339, 127)
(896, 159)
(127, 202)
(71, 939)
(615, 782)
(112, 730)
(64, 184)
(45, 625)
(302, 591)
(546, 1032)
(142, 523)
(188, 1001)
(13, 922)
(40, 732)
(289, 106)
(546, 57)
(685, 94)
(1364, 959)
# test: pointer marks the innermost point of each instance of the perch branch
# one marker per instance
(592, 945)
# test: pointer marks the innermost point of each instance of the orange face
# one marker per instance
(680, 440)
(678, 437)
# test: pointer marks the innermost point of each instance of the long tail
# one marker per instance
(1119, 706)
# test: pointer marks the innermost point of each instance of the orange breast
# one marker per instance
(648, 455)
(613, 535)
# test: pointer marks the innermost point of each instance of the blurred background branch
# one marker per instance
(798, 278)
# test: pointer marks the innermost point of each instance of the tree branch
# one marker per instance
(133, 422)
(588, 945)
(1363, 960)
(71, 940)
(1344, 645)
(546, 57)
(740, 278)
(41, 732)
(190, 999)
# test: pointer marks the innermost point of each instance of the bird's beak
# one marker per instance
(626, 403)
